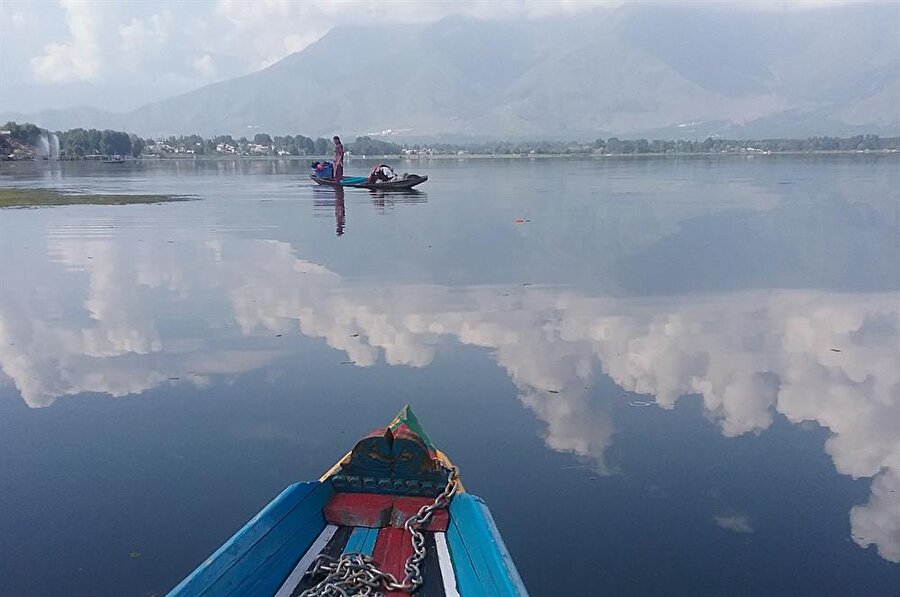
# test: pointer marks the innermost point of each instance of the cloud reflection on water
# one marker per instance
(825, 357)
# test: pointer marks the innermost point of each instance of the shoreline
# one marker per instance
(482, 156)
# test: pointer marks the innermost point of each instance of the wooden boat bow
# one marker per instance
(392, 507)
(397, 459)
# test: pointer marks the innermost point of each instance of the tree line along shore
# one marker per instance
(29, 142)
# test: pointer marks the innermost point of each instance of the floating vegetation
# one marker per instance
(17, 197)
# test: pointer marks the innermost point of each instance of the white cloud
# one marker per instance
(204, 66)
(132, 52)
(791, 5)
(749, 355)
(878, 522)
(295, 42)
(739, 523)
(78, 59)
(138, 34)
(272, 29)
(20, 19)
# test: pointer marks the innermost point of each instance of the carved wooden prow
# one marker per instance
(398, 459)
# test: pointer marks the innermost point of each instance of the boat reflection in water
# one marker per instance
(812, 356)
(382, 201)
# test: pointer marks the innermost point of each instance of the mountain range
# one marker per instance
(650, 70)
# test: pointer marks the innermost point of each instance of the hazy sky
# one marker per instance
(119, 55)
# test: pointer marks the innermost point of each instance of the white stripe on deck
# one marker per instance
(303, 565)
(447, 574)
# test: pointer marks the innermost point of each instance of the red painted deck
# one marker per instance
(392, 548)
(377, 510)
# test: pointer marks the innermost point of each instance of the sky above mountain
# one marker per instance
(118, 56)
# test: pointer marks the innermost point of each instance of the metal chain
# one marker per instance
(356, 574)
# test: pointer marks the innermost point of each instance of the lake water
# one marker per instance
(665, 376)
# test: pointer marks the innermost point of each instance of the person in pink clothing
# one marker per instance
(338, 158)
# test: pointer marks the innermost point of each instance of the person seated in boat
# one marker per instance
(322, 169)
(382, 173)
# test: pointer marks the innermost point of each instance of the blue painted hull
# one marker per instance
(257, 559)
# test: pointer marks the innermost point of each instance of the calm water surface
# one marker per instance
(673, 377)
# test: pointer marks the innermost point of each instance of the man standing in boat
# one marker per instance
(338, 158)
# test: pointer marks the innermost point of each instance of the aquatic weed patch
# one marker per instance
(16, 197)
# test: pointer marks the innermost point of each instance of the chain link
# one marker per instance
(357, 575)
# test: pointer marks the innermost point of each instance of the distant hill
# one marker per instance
(639, 70)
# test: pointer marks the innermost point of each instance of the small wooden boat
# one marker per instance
(362, 182)
(390, 518)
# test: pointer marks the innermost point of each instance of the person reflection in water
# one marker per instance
(338, 158)
(339, 213)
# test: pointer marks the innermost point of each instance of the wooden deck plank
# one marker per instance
(336, 546)
(362, 541)
(392, 547)
(377, 510)
(468, 523)
(274, 555)
(404, 507)
(496, 551)
(296, 575)
(474, 532)
(333, 548)
(467, 580)
(237, 547)
(433, 584)
(359, 509)
(448, 577)
(264, 580)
